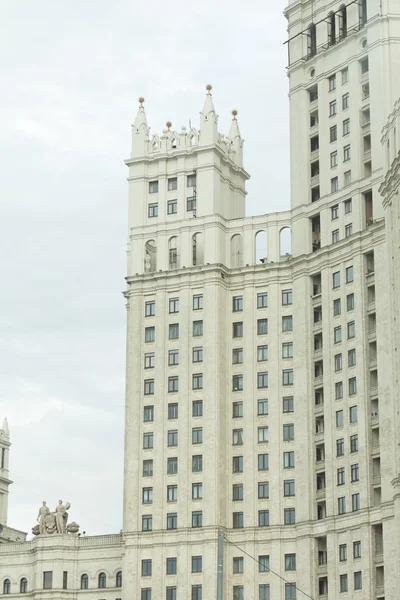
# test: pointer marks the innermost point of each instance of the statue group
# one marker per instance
(54, 522)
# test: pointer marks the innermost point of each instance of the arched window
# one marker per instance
(331, 29)
(312, 40)
(173, 257)
(85, 582)
(118, 579)
(261, 250)
(342, 22)
(236, 250)
(102, 580)
(23, 585)
(7, 586)
(198, 249)
(150, 256)
(285, 241)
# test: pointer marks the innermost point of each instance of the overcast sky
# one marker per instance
(71, 73)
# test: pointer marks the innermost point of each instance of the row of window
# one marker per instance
(333, 104)
(173, 305)
(351, 332)
(351, 359)
(348, 207)
(48, 582)
(172, 207)
(172, 438)
(150, 332)
(333, 131)
(172, 184)
(172, 521)
(348, 231)
(334, 156)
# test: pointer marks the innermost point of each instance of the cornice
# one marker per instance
(391, 182)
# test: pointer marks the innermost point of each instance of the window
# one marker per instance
(263, 518)
(313, 93)
(336, 279)
(347, 178)
(7, 586)
(341, 505)
(237, 329)
(353, 414)
(262, 407)
(150, 309)
(288, 487)
(23, 584)
(357, 549)
(262, 300)
(197, 328)
(237, 464)
(288, 460)
(337, 307)
(355, 502)
(264, 591)
(172, 184)
(149, 360)
(191, 181)
(334, 184)
(172, 207)
(197, 592)
(290, 591)
(287, 350)
(350, 302)
(197, 381)
(48, 580)
(263, 563)
(237, 409)
(338, 362)
(102, 580)
(337, 335)
(346, 153)
(148, 387)
(147, 468)
(191, 203)
(238, 520)
(286, 297)
(172, 493)
(237, 383)
(289, 516)
(145, 594)
(262, 326)
(149, 334)
(237, 491)
(146, 567)
(345, 76)
(287, 323)
(351, 329)
(263, 434)
(354, 443)
(173, 305)
(340, 476)
(335, 212)
(237, 303)
(238, 592)
(340, 447)
(174, 331)
(339, 418)
(173, 410)
(197, 301)
(172, 520)
(355, 473)
(343, 552)
(343, 583)
(262, 380)
(288, 404)
(333, 133)
(290, 562)
(332, 108)
(238, 564)
(335, 236)
(263, 489)
(173, 384)
(173, 357)
(197, 564)
(197, 408)
(262, 353)
(345, 101)
(349, 274)
(172, 465)
(288, 432)
(346, 128)
(358, 580)
(148, 413)
(197, 491)
(237, 356)
(334, 159)
(237, 437)
(287, 377)
(197, 463)
(171, 566)
(170, 592)
(197, 354)
(147, 440)
(172, 437)
(348, 230)
(197, 435)
(153, 187)
(332, 83)
(263, 462)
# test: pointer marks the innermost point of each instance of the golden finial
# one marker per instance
(169, 125)
(208, 88)
(141, 100)
(234, 112)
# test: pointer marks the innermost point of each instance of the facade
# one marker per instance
(262, 432)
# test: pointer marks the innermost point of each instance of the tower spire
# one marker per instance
(236, 139)
(208, 120)
(140, 131)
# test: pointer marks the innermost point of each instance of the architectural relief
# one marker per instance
(54, 522)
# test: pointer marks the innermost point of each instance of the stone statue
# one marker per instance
(43, 512)
(147, 263)
(73, 527)
(61, 516)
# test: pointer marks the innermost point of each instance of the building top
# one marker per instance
(5, 430)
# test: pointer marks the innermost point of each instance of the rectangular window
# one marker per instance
(263, 462)
(263, 518)
(289, 516)
(340, 476)
(334, 185)
(345, 101)
(238, 522)
(174, 331)
(351, 329)
(262, 407)
(146, 567)
(147, 440)
(340, 447)
(238, 564)
(237, 303)
(197, 381)
(145, 594)
(288, 404)
(288, 487)
(148, 387)
(262, 300)
(358, 580)
(335, 212)
(287, 377)
(237, 437)
(338, 362)
(334, 159)
(191, 181)
(355, 473)
(238, 592)
(197, 354)
(313, 93)
(172, 493)
(341, 505)
(355, 502)
(237, 356)
(173, 410)
(149, 360)
(197, 435)
(346, 127)
(149, 334)
(343, 583)
(354, 443)
(290, 562)
(197, 301)
(237, 491)
(173, 305)
(237, 329)
(263, 489)
(262, 380)
(287, 323)
(288, 432)
(170, 592)
(150, 308)
(172, 437)
(336, 279)
(197, 328)
(347, 206)
(349, 274)
(263, 563)
(332, 83)
(148, 413)
(337, 335)
(197, 491)
(337, 307)
(197, 592)
(262, 353)
(332, 108)
(262, 326)
(335, 236)
(342, 552)
(353, 414)
(347, 178)
(153, 187)
(346, 153)
(173, 384)
(197, 463)
(171, 566)
(264, 591)
(172, 207)
(333, 133)
(172, 184)
(147, 523)
(173, 357)
(191, 203)
(263, 434)
(172, 520)
(290, 591)
(348, 230)
(357, 549)
(345, 76)
(47, 580)
(237, 383)
(286, 297)
(147, 468)
(197, 408)
(237, 464)
(287, 350)
(339, 418)
(197, 564)
(350, 302)
(237, 409)
(288, 460)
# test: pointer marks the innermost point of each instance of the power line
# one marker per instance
(269, 570)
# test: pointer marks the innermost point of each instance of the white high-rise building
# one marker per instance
(262, 434)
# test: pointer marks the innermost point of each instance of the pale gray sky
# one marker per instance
(71, 75)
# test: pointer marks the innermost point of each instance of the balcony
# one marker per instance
(319, 409)
(367, 155)
(373, 362)
(376, 480)
(366, 128)
(376, 451)
(379, 557)
(314, 180)
(371, 307)
(321, 494)
(370, 277)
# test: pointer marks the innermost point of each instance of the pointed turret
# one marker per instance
(208, 120)
(140, 132)
(236, 140)
(6, 428)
